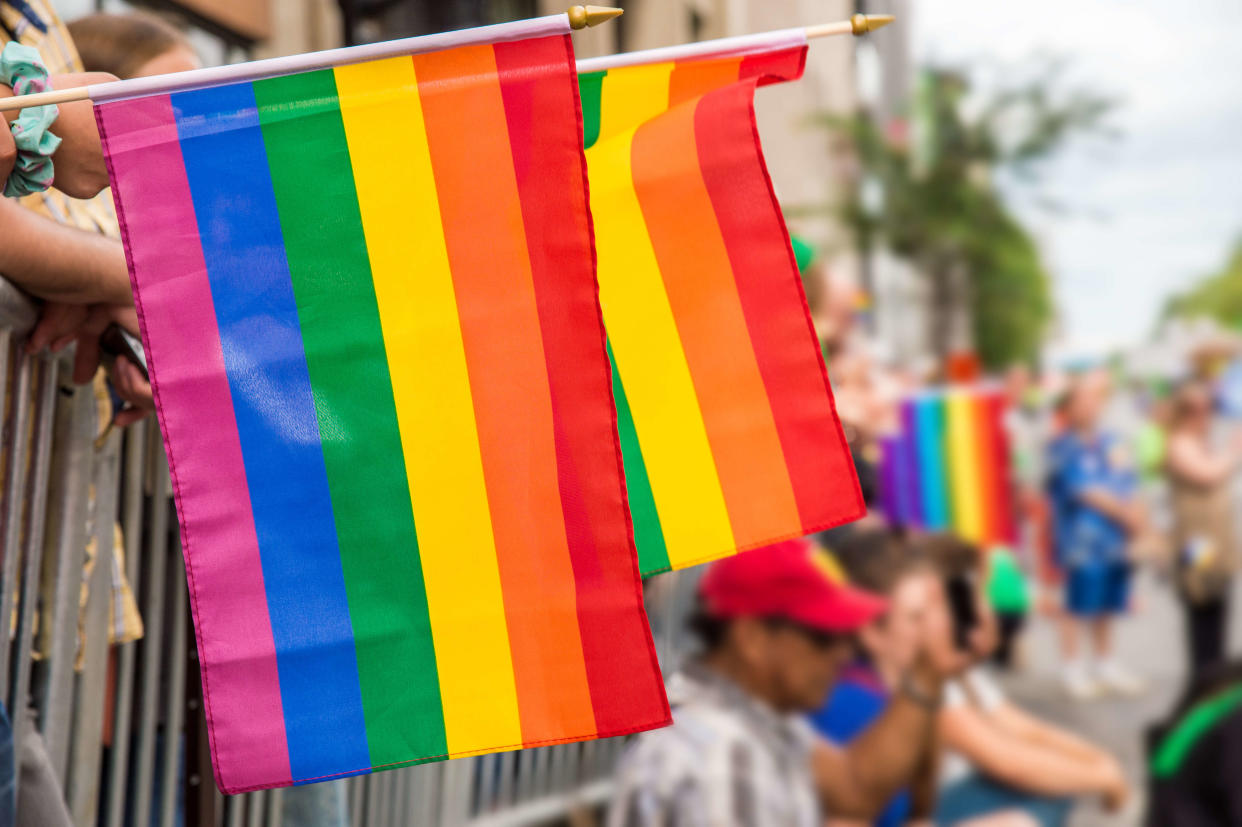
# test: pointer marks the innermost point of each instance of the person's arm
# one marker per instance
(79, 165)
(859, 780)
(59, 263)
(1023, 765)
(924, 789)
(1022, 725)
(1189, 460)
(1120, 510)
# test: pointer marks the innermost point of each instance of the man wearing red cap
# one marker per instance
(777, 625)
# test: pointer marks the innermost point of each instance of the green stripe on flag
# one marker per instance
(331, 274)
(590, 89)
(648, 535)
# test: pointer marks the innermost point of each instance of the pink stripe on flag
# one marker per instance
(240, 683)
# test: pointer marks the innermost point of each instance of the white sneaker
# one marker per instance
(1117, 679)
(1079, 685)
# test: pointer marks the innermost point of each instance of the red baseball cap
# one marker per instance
(794, 580)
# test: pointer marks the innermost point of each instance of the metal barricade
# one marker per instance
(122, 724)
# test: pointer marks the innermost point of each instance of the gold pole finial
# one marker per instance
(580, 17)
(863, 23)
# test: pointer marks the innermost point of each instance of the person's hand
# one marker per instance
(61, 323)
(79, 162)
(938, 658)
(58, 326)
(1116, 792)
(133, 387)
(1136, 519)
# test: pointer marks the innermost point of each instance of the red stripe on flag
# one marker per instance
(774, 67)
(781, 330)
(1007, 526)
(620, 659)
(989, 469)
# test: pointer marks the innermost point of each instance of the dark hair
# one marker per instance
(950, 554)
(876, 560)
(708, 629)
(121, 44)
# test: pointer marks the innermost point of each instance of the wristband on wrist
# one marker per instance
(909, 688)
(23, 69)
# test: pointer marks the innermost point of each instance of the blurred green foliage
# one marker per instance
(1218, 296)
(940, 207)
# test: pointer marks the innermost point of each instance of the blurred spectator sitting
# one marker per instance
(777, 626)
(1093, 482)
(881, 564)
(1200, 477)
(999, 757)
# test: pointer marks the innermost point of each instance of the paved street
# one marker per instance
(1151, 643)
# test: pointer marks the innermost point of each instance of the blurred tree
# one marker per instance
(934, 201)
(1218, 296)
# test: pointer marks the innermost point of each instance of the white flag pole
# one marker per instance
(859, 24)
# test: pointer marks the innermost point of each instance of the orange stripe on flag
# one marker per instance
(467, 131)
(697, 77)
(698, 279)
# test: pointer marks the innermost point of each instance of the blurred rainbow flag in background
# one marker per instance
(370, 310)
(727, 423)
(949, 467)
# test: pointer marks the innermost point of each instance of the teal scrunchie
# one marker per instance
(22, 69)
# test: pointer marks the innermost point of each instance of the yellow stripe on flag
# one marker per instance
(643, 332)
(963, 454)
(435, 411)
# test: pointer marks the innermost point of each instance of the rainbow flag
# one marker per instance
(948, 469)
(727, 425)
(369, 305)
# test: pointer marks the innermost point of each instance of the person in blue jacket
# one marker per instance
(1093, 486)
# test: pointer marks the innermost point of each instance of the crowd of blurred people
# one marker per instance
(813, 702)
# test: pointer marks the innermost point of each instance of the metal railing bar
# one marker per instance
(13, 495)
(131, 529)
(36, 518)
(72, 456)
(170, 780)
(153, 641)
(83, 783)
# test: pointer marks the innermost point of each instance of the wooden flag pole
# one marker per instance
(859, 24)
(578, 17)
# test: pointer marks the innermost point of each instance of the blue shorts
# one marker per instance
(1097, 587)
(976, 796)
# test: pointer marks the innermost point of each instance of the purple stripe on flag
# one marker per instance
(910, 462)
(890, 505)
(240, 683)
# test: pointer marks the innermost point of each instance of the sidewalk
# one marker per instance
(1151, 643)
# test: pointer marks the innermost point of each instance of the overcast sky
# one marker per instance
(1161, 206)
